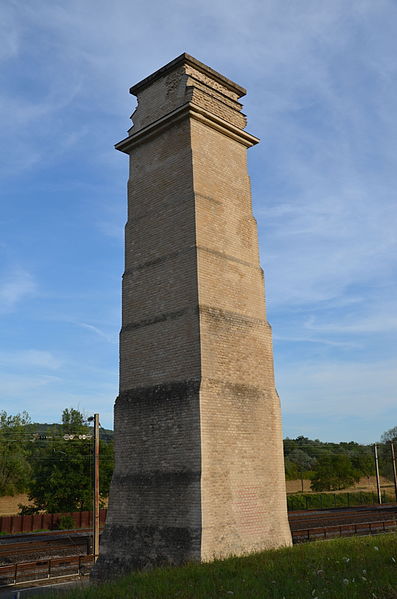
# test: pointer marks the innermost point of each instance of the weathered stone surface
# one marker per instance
(199, 461)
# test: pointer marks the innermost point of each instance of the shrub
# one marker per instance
(66, 522)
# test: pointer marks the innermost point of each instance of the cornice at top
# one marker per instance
(186, 59)
(185, 80)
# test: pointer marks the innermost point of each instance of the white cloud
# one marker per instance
(34, 133)
(9, 34)
(321, 81)
(319, 340)
(15, 286)
(340, 388)
(111, 338)
(29, 359)
(385, 322)
(44, 397)
(17, 386)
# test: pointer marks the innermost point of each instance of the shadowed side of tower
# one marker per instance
(199, 463)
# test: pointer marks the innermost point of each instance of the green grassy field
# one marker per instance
(352, 568)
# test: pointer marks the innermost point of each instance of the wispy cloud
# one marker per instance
(318, 340)
(374, 323)
(321, 79)
(46, 396)
(110, 338)
(9, 34)
(35, 132)
(17, 386)
(29, 359)
(15, 286)
(345, 388)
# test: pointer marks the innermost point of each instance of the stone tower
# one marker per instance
(199, 459)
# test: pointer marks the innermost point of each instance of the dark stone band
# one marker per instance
(175, 390)
(155, 478)
(133, 549)
(218, 314)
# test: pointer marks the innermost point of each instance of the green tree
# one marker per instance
(15, 470)
(73, 422)
(302, 461)
(390, 435)
(291, 471)
(384, 451)
(334, 472)
(363, 463)
(63, 467)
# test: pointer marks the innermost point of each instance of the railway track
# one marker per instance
(35, 557)
(33, 546)
(341, 516)
(326, 524)
(45, 571)
(45, 557)
(343, 530)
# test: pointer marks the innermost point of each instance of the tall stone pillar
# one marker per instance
(199, 459)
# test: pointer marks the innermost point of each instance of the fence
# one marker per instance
(329, 500)
(343, 530)
(43, 570)
(34, 522)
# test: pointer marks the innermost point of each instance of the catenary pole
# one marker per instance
(96, 487)
(377, 473)
(393, 459)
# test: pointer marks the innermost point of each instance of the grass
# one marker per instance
(352, 568)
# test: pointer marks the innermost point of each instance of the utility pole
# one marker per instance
(96, 488)
(377, 474)
(393, 459)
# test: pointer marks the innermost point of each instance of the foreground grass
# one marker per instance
(353, 568)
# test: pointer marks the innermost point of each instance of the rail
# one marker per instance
(328, 519)
(28, 547)
(44, 570)
(337, 511)
(342, 530)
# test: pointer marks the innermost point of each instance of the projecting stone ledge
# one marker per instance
(185, 88)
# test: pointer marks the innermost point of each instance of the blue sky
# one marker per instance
(321, 80)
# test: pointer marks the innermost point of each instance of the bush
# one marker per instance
(334, 472)
(66, 522)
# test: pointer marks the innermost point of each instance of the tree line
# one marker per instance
(335, 466)
(53, 463)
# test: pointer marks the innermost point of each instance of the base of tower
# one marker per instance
(154, 514)
(199, 475)
(143, 548)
